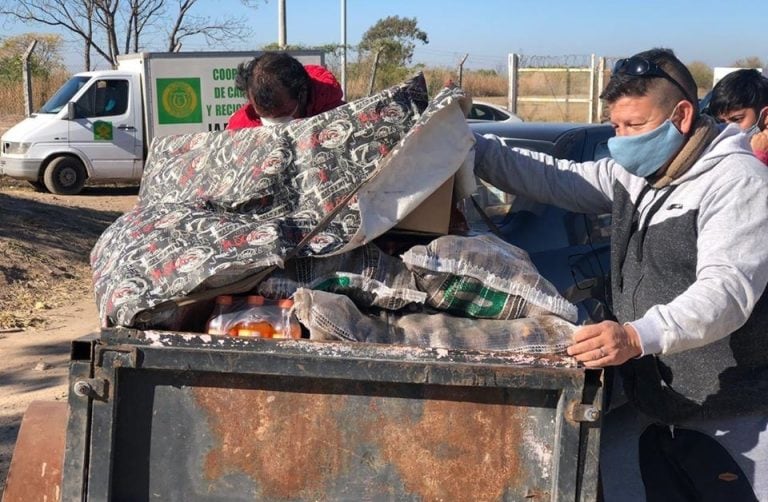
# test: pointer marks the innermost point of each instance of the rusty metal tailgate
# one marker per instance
(187, 417)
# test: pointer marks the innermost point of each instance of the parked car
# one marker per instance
(487, 112)
(571, 250)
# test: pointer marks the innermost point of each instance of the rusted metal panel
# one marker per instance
(201, 418)
(327, 440)
(35, 472)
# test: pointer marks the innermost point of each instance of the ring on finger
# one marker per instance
(602, 353)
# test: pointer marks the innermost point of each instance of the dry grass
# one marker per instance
(490, 85)
(12, 93)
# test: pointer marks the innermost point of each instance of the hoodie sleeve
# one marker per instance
(326, 90)
(581, 187)
(731, 270)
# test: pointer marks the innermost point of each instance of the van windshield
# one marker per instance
(64, 95)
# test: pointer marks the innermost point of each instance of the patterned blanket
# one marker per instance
(218, 211)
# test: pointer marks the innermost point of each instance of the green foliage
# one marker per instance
(395, 38)
(46, 58)
(702, 74)
(332, 52)
(748, 62)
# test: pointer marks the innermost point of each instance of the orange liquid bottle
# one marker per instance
(255, 320)
(218, 323)
(289, 326)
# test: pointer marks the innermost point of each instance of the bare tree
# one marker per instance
(101, 23)
(105, 12)
(142, 14)
(214, 31)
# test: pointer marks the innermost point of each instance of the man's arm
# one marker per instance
(731, 272)
(731, 275)
(584, 188)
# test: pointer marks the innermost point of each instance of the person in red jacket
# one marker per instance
(279, 89)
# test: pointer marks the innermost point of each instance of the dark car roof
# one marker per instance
(566, 140)
(541, 131)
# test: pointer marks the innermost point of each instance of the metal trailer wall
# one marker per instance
(183, 416)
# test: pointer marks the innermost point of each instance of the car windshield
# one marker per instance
(64, 95)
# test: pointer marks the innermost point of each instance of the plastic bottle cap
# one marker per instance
(224, 299)
(255, 300)
(285, 303)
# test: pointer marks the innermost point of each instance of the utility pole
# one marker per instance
(281, 25)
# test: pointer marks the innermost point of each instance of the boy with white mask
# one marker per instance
(741, 97)
(689, 267)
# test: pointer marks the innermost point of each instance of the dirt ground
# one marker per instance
(46, 298)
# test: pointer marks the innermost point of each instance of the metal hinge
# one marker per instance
(582, 413)
(96, 388)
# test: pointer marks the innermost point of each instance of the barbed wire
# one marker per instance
(564, 61)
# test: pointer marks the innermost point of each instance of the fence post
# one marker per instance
(26, 78)
(567, 117)
(592, 93)
(373, 71)
(600, 86)
(461, 68)
(513, 63)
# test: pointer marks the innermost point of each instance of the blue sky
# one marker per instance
(716, 32)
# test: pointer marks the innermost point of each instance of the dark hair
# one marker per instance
(621, 84)
(269, 78)
(737, 90)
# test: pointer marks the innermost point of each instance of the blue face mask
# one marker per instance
(644, 154)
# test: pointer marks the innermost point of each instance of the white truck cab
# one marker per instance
(99, 124)
(91, 128)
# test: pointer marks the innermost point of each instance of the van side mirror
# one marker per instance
(71, 112)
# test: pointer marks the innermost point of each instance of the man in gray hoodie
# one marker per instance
(689, 268)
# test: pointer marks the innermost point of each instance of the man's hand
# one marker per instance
(605, 344)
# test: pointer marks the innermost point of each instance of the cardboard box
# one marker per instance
(433, 216)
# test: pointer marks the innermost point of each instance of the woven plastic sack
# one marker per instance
(368, 276)
(484, 277)
(334, 317)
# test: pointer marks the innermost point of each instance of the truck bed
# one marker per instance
(184, 416)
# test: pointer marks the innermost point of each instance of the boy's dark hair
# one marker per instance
(622, 84)
(266, 77)
(737, 90)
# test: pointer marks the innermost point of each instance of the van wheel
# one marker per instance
(64, 176)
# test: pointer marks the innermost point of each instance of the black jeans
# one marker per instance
(686, 465)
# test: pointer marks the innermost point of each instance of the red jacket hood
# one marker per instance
(325, 94)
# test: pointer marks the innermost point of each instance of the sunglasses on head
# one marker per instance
(641, 67)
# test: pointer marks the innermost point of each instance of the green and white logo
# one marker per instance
(178, 101)
(102, 131)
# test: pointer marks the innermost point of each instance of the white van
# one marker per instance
(99, 124)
